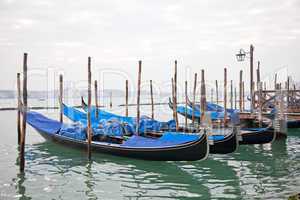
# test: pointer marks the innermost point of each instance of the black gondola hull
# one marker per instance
(196, 150)
(228, 145)
(256, 137)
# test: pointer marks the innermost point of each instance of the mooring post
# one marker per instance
(138, 98)
(24, 115)
(126, 99)
(235, 98)
(275, 81)
(260, 104)
(19, 107)
(89, 128)
(175, 95)
(288, 90)
(241, 91)
(225, 97)
(174, 108)
(110, 99)
(194, 99)
(217, 93)
(152, 102)
(203, 96)
(258, 75)
(243, 96)
(96, 98)
(61, 98)
(186, 102)
(231, 94)
(251, 78)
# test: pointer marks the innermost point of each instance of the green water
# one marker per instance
(270, 171)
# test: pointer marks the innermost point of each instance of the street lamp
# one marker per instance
(240, 56)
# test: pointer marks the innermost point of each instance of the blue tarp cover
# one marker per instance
(146, 123)
(167, 139)
(78, 131)
(42, 123)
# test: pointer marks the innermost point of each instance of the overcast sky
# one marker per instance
(60, 35)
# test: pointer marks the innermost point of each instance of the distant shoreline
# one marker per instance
(77, 106)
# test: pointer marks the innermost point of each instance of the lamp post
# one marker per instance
(240, 56)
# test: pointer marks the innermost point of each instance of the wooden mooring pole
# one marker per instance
(61, 98)
(217, 92)
(152, 101)
(258, 75)
(251, 78)
(110, 100)
(225, 97)
(19, 107)
(24, 115)
(96, 98)
(231, 94)
(241, 91)
(138, 99)
(186, 102)
(126, 99)
(235, 103)
(175, 95)
(203, 96)
(89, 128)
(194, 99)
(243, 96)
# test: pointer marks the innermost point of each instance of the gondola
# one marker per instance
(246, 135)
(293, 123)
(219, 143)
(168, 147)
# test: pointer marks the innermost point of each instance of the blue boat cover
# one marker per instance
(42, 123)
(213, 114)
(167, 139)
(129, 123)
(78, 131)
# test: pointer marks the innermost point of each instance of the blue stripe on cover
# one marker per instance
(166, 140)
(42, 123)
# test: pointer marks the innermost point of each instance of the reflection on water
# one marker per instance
(53, 171)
